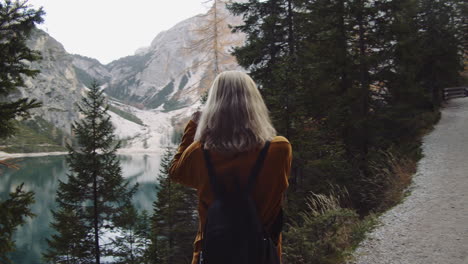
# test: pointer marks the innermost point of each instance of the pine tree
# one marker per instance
(73, 242)
(270, 54)
(443, 39)
(13, 212)
(273, 56)
(96, 195)
(131, 244)
(143, 231)
(174, 222)
(17, 20)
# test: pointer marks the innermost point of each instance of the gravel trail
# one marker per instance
(431, 225)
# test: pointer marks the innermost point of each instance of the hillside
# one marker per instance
(149, 91)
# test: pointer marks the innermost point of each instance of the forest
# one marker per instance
(353, 84)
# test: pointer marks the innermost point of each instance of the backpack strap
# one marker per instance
(257, 167)
(217, 189)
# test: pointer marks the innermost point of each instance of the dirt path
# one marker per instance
(431, 225)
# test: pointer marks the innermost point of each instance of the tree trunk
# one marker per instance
(342, 42)
(365, 85)
(215, 40)
(96, 220)
(95, 190)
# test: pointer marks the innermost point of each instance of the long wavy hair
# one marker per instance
(235, 117)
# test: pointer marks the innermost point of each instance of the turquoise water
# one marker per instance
(41, 175)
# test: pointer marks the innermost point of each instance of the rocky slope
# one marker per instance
(57, 85)
(174, 70)
(149, 90)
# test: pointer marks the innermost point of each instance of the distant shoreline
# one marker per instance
(6, 155)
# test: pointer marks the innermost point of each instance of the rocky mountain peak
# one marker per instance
(175, 69)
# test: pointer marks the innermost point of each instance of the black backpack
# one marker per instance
(233, 232)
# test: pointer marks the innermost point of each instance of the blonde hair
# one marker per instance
(235, 117)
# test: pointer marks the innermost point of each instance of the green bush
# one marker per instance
(326, 232)
(384, 187)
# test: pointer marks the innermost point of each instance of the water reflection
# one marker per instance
(41, 175)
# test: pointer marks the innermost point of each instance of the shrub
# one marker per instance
(384, 187)
(325, 233)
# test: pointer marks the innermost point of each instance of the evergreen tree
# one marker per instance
(443, 41)
(13, 212)
(174, 223)
(348, 80)
(273, 55)
(270, 55)
(17, 20)
(131, 244)
(73, 241)
(143, 231)
(96, 195)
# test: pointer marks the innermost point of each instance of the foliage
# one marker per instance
(174, 223)
(14, 212)
(353, 84)
(17, 20)
(385, 186)
(72, 243)
(204, 97)
(344, 80)
(132, 243)
(325, 233)
(35, 135)
(96, 195)
(213, 35)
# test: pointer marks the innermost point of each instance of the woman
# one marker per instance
(234, 127)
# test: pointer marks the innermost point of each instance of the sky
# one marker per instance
(110, 29)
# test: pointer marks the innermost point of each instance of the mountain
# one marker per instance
(58, 88)
(151, 92)
(89, 69)
(174, 70)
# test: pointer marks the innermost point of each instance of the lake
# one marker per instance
(41, 175)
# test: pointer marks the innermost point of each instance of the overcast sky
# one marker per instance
(110, 29)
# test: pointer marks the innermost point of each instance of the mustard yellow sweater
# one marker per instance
(188, 168)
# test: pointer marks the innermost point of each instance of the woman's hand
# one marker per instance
(195, 117)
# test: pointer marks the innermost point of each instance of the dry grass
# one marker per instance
(327, 232)
(399, 176)
(391, 176)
